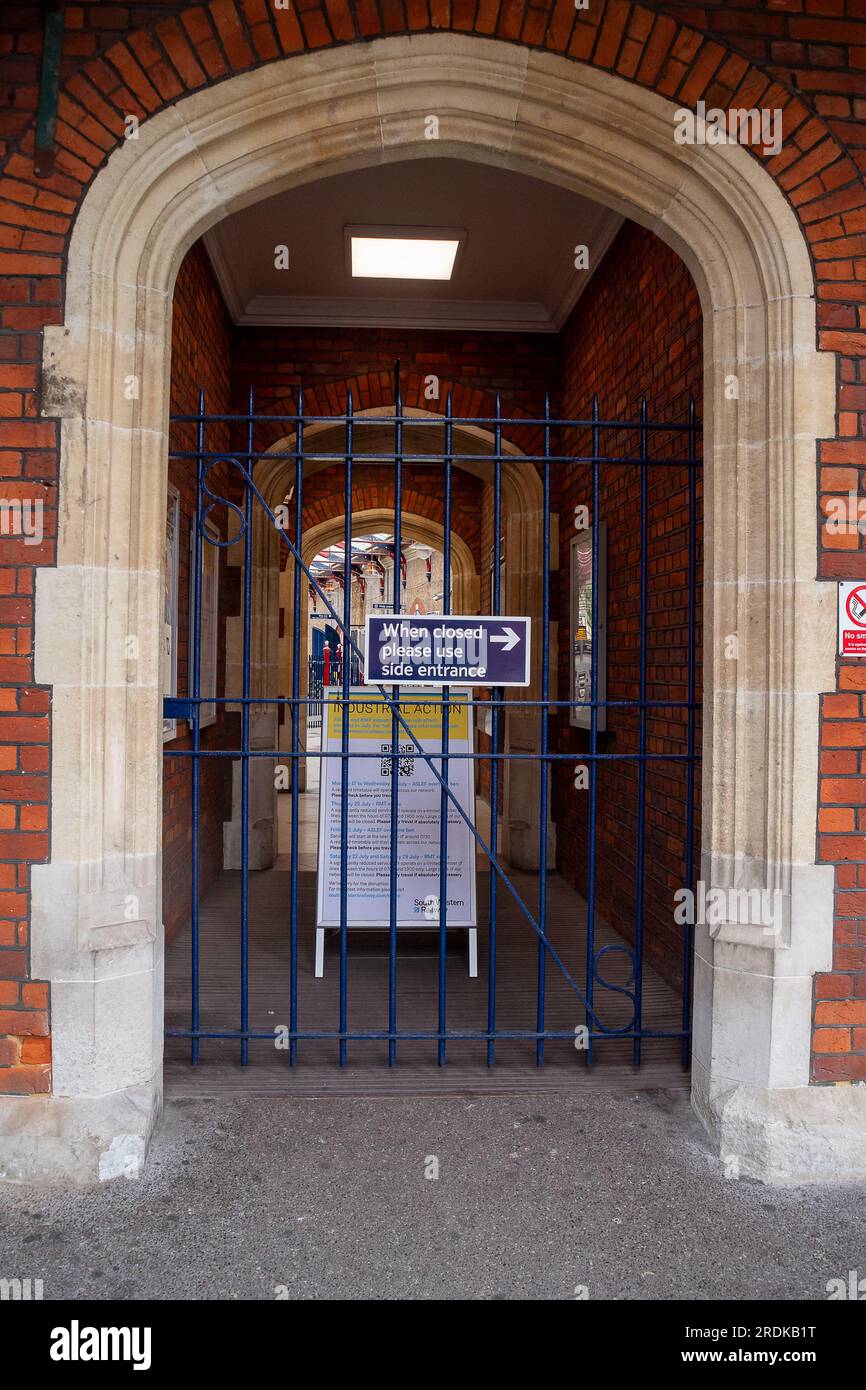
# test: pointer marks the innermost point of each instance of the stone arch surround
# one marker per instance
(581, 127)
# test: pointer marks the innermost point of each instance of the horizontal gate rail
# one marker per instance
(238, 465)
(430, 1035)
(383, 455)
(407, 755)
(589, 422)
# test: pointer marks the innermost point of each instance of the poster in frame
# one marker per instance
(582, 640)
(209, 631)
(170, 569)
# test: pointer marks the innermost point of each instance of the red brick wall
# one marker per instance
(472, 367)
(374, 488)
(840, 997)
(200, 357)
(806, 56)
(325, 360)
(636, 331)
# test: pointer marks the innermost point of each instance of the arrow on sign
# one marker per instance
(509, 638)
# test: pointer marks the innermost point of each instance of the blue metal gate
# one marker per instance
(586, 449)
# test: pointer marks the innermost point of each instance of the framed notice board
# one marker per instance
(583, 641)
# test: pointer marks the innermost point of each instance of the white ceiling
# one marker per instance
(515, 269)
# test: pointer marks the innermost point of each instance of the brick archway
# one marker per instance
(373, 392)
(522, 497)
(323, 501)
(726, 217)
(324, 514)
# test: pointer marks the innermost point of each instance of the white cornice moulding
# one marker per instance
(345, 312)
(224, 268)
(574, 282)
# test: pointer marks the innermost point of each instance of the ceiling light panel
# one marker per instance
(403, 254)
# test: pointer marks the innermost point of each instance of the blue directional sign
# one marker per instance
(421, 649)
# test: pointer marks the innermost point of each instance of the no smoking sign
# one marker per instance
(852, 619)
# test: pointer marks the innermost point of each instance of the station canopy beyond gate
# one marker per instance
(402, 844)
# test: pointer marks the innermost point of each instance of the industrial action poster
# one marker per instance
(368, 843)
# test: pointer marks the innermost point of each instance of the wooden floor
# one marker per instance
(367, 1073)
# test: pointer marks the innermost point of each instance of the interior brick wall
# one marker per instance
(327, 361)
(200, 357)
(635, 332)
(374, 488)
(472, 367)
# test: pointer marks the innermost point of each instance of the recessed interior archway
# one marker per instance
(227, 147)
(522, 512)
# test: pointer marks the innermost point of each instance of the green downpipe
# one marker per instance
(49, 86)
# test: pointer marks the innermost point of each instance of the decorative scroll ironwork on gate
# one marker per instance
(225, 479)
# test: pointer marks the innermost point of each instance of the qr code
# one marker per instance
(405, 765)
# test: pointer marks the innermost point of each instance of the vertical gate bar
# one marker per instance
(395, 766)
(245, 745)
(690, 764)
(446, 711)
(344, 751)
(300, 578)
(545, 766)
(593, 732)
(195, 638)
(642, 748)
(395, 728)
(494, 740)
